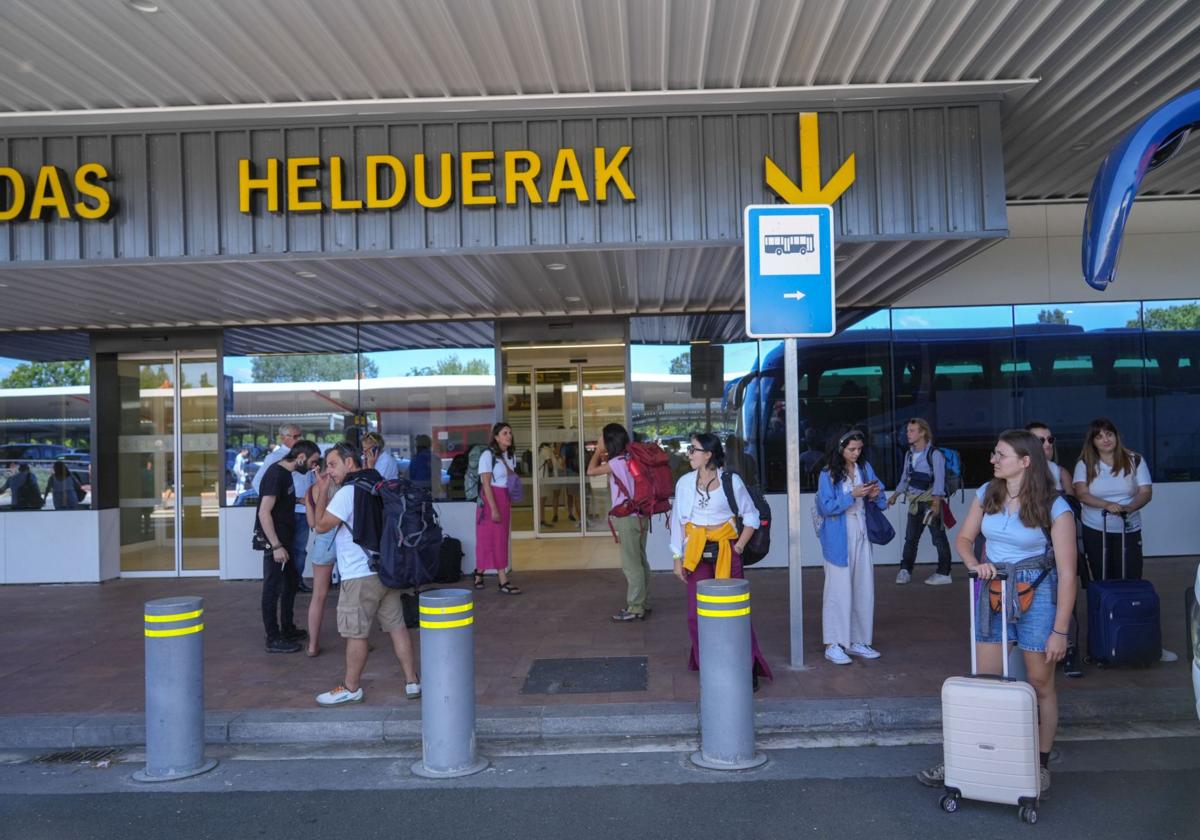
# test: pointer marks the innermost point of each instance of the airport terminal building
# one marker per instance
(420, 218)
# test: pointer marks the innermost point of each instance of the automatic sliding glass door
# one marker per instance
(170, 468)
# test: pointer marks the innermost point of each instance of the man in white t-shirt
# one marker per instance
(362, 597)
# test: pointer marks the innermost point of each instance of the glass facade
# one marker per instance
(430, 398)
(45, 421)
(970, 371)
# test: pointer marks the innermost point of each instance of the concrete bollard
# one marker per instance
(447, 685)
(174, 690)
(726, 691)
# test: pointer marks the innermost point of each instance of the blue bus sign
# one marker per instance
(789, 271)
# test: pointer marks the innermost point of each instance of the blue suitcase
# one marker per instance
(1124, 617)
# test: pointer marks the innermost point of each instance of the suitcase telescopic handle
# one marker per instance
(1001, 576)
(1104, 543)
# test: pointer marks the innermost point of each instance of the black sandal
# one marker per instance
(479, 580)
(509, 589)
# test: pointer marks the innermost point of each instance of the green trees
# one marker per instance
(47, 375)
(310, 367)
(453, 366)
(1185, 316)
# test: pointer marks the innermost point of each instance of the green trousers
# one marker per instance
(632, 531)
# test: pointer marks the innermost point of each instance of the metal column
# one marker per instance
(791, 388)
(174, 690)
(726, 691)
(447, 685)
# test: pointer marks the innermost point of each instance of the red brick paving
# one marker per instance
(79, 648)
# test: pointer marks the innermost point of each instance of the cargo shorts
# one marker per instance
(361, 601)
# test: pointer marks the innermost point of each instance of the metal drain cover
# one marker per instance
(598, 675)
(80, 756)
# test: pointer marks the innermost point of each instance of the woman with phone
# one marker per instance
(322, 554)
(844, 488)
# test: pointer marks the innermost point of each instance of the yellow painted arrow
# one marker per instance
(810, 190)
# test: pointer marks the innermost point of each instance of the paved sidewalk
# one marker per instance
(77, 650)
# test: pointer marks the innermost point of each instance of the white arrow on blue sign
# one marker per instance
(789, 271)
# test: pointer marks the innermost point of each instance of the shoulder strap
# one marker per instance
(727, 486)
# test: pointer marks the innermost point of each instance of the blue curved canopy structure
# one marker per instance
(1148, 146)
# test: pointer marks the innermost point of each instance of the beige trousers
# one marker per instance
(848, 615)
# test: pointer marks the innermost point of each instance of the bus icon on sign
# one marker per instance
(788, 243)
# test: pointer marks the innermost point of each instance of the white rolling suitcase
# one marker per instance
(990, 732)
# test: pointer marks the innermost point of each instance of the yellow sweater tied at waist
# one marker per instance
(698, 535)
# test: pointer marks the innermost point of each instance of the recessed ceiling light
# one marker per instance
(572, 298)
(1079, 147)
(115, 312)
(556, 266)
(3, 285)
(305, 274)
(371, 305)
(144, 6)
(841, 258)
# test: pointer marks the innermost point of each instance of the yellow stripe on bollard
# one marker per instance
(445, 610)
(180, 631)
(162, 619)
(722, 599)
(446, 625)
(723, 613)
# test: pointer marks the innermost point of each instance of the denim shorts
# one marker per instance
(1035, 625)
(321, 551)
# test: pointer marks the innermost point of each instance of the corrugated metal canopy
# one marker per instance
(1101, 64)
(441, 288)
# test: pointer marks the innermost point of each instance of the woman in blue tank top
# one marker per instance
(1021, 517)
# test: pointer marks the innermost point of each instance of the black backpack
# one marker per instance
(411, 542)
(759, 544)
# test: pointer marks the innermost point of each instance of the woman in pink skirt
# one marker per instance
(493, 517)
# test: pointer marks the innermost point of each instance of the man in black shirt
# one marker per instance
(281, 578)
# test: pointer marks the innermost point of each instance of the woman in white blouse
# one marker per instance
(705, 542)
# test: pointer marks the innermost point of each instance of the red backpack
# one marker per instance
(653, 485)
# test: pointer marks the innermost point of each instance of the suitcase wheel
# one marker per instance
(948, 803)
(1028, 814)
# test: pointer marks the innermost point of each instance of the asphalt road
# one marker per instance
(1104, 788)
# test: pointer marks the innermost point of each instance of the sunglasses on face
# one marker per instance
(1049, 439)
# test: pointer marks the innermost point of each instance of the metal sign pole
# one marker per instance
(795, 580)
(790, 294)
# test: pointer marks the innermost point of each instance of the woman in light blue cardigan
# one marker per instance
(845, 486)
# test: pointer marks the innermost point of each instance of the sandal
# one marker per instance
(479, 580)
(509, 589)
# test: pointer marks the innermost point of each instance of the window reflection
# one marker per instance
(427, 390)
(970, 371)
(45, 422)
(1173, 388)
(1082, 360)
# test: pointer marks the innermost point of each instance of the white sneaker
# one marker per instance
(936, 579)
(865, 651)
(836, 655)
(412, 690)
(339, 695)
(1168, 656)
(903, 576)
